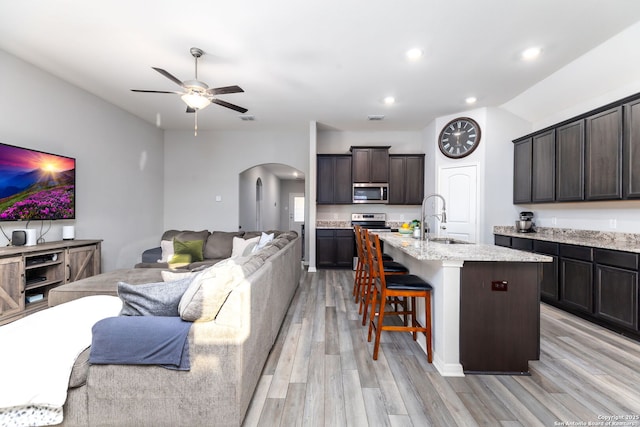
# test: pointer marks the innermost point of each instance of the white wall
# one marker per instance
(119, 159)
(270, 209)
(605, 74)
(197, 169)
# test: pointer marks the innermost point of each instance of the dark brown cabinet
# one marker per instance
(616, 287)
(631, 151)
(334, 248)
(549, 283)
(370, 164)
(596, 157)
(570, 162)
(334, 179)
(406, 179)
(576, 277)
(603, 155)
(522, 171)
(543, 167)
(600, 285)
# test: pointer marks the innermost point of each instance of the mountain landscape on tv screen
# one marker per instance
(35, 186)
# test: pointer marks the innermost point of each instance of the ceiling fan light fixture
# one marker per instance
(195, 100)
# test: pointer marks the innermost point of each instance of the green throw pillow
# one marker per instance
(191, 247)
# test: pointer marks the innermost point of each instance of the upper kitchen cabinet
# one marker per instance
(406, 179)
(522, 171)
(334, 179)
(543, 167)
(594, 156)
(603, 155)
(570, 162)
(631, 151)
(370, 164)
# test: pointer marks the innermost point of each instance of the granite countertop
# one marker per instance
(627, 242)
(333, 224)
(438, 251)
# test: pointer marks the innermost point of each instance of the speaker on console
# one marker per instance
(18, 238)
(24, 237)
(68, 232)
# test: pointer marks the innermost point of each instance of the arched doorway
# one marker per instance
(271, 196)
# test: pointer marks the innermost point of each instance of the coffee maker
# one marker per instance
(525, 224)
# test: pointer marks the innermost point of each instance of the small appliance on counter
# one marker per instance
(525, 224)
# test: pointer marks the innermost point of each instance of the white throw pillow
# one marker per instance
(240, 245)
(167, 250)
(264, 239)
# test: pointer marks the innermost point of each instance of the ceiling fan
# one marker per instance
(195, 93)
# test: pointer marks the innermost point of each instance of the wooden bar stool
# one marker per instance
(359, 278)
(408, 286)
(390, 268)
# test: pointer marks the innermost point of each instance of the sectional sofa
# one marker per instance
(228, 345)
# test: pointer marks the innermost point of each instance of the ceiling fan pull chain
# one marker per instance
(195, 128)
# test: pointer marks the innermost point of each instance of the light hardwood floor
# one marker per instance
(321, 373)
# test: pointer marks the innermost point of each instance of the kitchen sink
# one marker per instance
(448, 241)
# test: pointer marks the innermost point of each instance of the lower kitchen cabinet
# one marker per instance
(600, 285)
(549, 284)
(616, 287)
(335, 248)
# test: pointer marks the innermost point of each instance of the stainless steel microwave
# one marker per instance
(370, 193)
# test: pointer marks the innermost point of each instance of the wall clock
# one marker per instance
(459, 137)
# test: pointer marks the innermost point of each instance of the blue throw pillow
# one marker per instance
(152, 299)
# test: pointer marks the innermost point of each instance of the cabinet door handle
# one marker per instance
(68, 273)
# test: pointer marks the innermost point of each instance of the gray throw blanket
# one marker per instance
(141, 340)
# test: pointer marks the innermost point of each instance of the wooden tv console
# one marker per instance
(28, 273)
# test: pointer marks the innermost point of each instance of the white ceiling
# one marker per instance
(332, 61)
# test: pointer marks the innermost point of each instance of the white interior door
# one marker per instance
(296, 212)
(459, 186)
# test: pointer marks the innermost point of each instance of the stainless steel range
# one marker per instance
(370, 221)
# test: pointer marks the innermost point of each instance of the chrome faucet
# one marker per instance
(423, 209)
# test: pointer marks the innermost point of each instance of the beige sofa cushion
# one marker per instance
(220, 244)
(208, 291)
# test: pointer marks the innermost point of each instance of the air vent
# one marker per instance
(375, 117)
(247, 118)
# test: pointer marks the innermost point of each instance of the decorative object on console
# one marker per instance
(459, 138)
(24, 237)
(68, 232)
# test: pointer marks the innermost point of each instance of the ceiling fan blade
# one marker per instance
(223, 90)
(155, 91)
(169, 76)
(228, 105)
(190, 110)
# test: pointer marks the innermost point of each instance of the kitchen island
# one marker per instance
(486, 303)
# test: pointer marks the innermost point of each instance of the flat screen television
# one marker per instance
(35, 185)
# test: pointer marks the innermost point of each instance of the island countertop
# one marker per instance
(437, 251)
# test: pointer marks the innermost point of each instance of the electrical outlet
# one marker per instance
(499, 285)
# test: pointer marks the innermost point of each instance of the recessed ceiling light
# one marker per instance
(389, 100)
(471, 100)
(414, 54)
(531, 53)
